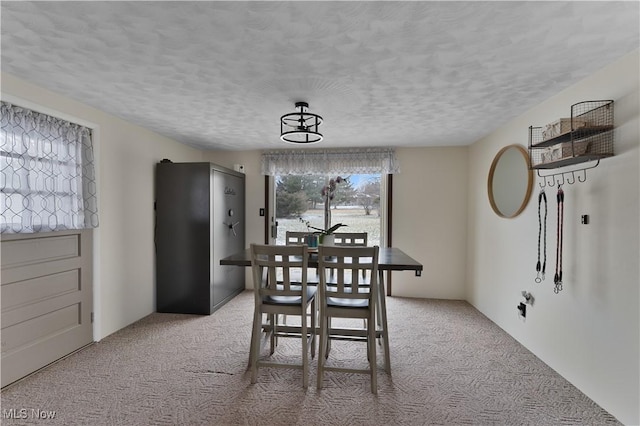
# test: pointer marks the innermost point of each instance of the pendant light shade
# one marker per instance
(300, 127)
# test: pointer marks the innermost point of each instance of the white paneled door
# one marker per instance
(46, 299)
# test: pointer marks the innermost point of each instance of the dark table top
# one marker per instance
(389, 259)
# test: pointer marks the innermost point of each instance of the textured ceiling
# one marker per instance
(218, 75)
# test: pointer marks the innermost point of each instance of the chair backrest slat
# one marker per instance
(350, 238)
(295, 237)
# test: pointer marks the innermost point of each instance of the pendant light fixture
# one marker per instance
(300, 127)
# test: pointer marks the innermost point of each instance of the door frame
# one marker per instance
(269, 216)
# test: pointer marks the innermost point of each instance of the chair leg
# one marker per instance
(328, 340)
(251, 348)
(371, 347)
(379, 319)
(254, 350)
(314, 314)
(385, 327)
(322, 348)
(305, 349)
(273, 319)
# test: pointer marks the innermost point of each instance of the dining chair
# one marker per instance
(345, 295)
(273, 267)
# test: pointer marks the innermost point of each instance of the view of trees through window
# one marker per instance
(356, 203)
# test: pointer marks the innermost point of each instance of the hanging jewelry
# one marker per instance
(558, 276)
(542, 233)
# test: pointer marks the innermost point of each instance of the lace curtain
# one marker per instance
(330, 162)
(47, 175)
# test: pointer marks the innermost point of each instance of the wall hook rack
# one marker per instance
(565, 177)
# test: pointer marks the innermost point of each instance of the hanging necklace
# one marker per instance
(542, 232)
(558, 276)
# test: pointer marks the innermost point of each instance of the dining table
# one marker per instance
(389, 259)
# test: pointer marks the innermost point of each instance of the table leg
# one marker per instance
(385, 328)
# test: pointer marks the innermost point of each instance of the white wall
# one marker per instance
(124, 271)
(590, 332)
(429, 215)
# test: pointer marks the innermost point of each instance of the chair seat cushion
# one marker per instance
(309, 282)
(290, 300)
(347, 303)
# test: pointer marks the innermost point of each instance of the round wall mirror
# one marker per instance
(510, 181)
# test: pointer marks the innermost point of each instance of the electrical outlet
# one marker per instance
(522, 308)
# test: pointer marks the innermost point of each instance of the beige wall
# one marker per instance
(124, 269)
(589, 332)
(429, 220)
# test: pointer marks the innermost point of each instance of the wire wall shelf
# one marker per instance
(585, 137)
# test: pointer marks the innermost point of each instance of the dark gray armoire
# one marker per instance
(200, 219)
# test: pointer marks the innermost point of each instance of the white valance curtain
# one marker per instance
(47, 174)
(330, 162)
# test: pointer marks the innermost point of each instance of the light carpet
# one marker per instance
(450, 365)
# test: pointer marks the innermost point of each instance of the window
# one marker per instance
(357, 203)
(47, 177)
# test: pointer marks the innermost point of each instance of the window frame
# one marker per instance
(386, 209)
